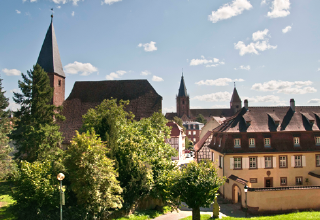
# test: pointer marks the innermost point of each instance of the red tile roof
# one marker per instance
(201, 142)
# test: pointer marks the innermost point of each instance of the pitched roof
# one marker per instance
(49, 57)
(220, 112)
(238, 179)
(235, 96)
(171, 115)
(175, 129)
(183, 88)
(97, 91)
(202, 141)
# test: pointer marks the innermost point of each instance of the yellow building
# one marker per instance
(275, 151)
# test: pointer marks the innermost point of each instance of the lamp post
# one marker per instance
(245, 191)
(60, 177)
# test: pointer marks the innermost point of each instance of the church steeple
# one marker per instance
(49, 59)
(183, 101)
(235, 102)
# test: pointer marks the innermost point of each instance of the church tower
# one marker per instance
(183, 101)
(49, 60)
(235, 103)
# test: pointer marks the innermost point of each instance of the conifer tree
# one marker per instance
(37, 135)
(5, 129)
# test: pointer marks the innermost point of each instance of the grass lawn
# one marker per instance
(6, 201)
(291, 216)
(145, 215)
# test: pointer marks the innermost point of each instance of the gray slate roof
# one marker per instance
(49, 57)
(235, 96)
(183, 88)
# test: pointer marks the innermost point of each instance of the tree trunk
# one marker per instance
(196, 213)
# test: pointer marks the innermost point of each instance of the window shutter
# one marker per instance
(245, 163)
(231, 163)
(274, 162)
(304, 162)
(260, 162)
(292, 161)
(221, 162)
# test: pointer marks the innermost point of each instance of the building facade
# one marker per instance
(193, 130)
(177, 140)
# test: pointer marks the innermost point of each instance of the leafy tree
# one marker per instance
(137, 146)
(37, 133)
(201, 119)
(5, 129)
(179, 122)
(188, 144)
(196, 185)
(92, 174)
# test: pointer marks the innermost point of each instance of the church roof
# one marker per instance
(235, 96)
(183, 88)
(49, 57)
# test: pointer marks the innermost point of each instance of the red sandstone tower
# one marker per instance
(49, 59)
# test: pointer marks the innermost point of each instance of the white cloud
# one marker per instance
(72, 14)
(243, 67)
(84, 68)
(253, 47)
(260, 35)
(157, 79)
(18, 12)
(170, 109)
(12, 72)
(230, 10)
(218, 82)
(109, 2)
(210, 63)
(220, 106)
(115, 75)
(286, 29)
(318, 69)
(314, 101)
(214, 97)
(75, 2)
(58, 6)
(60, 1)
(145, 73)
(267, 98)
(286, 87)
(264, 45)
(13, 106)
(148, 46)
(263, 2)
(280, 8)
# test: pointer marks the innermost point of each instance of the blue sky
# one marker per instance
(270, 48)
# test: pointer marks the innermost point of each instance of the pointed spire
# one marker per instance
(49, 57)
(182, 89)
(235, 96)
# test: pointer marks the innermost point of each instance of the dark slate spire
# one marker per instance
(235, 96)
(182, 89)
(49, 57)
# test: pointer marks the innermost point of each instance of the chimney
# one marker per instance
(292, 105)
(246, 105)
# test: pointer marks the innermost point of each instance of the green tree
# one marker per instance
(37, 133)
(137, 146)
(201, 119)
(5, 129)
(92, 175)
(179, 122)
(196, 185)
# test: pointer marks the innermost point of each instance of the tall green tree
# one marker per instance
(196, 185)
(92, 175)
(200, 118)
(37, 133)
(137, 146)
(5, 129)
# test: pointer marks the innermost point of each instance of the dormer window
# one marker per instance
(214, 140)
(252, 142)
(59, 83)
(317, 140)
(267, 142)
(237, 142)
(220, 141)
(296, 141)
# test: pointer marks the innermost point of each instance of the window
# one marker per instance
(237, 163)
(283, 181)
(183, 102)
(299, 180)
(267, 142)
(253, 163)
(237, 142)
(297, 161)
(197, 127)
(251, 142)
(253, 180)
(318, 160)
(317, 140)
(186, 126)
(189, 132)
(191, 126)
(296, 141)
(194, 140)
(268, 162)
(194, 132)
(220, 141)
(283, 161)
(59, 83)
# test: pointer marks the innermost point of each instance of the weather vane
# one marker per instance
(51, 14)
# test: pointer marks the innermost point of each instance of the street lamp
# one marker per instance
(60, 177)
(245, 191)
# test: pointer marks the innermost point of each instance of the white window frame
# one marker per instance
(237, 163)
(296, 141)
(252, 142)
(299, 182)
(281, 161)
(189, 132)
(237, 142)
(253, 163)
(317, 140)
(194, 139)
(268, 163)
(318, 160)
(194, 132)
(298, 161)
(267, 142)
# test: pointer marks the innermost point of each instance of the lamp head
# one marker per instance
(60, 176)
(246, 188)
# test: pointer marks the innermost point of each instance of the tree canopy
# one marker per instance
(200, 118)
